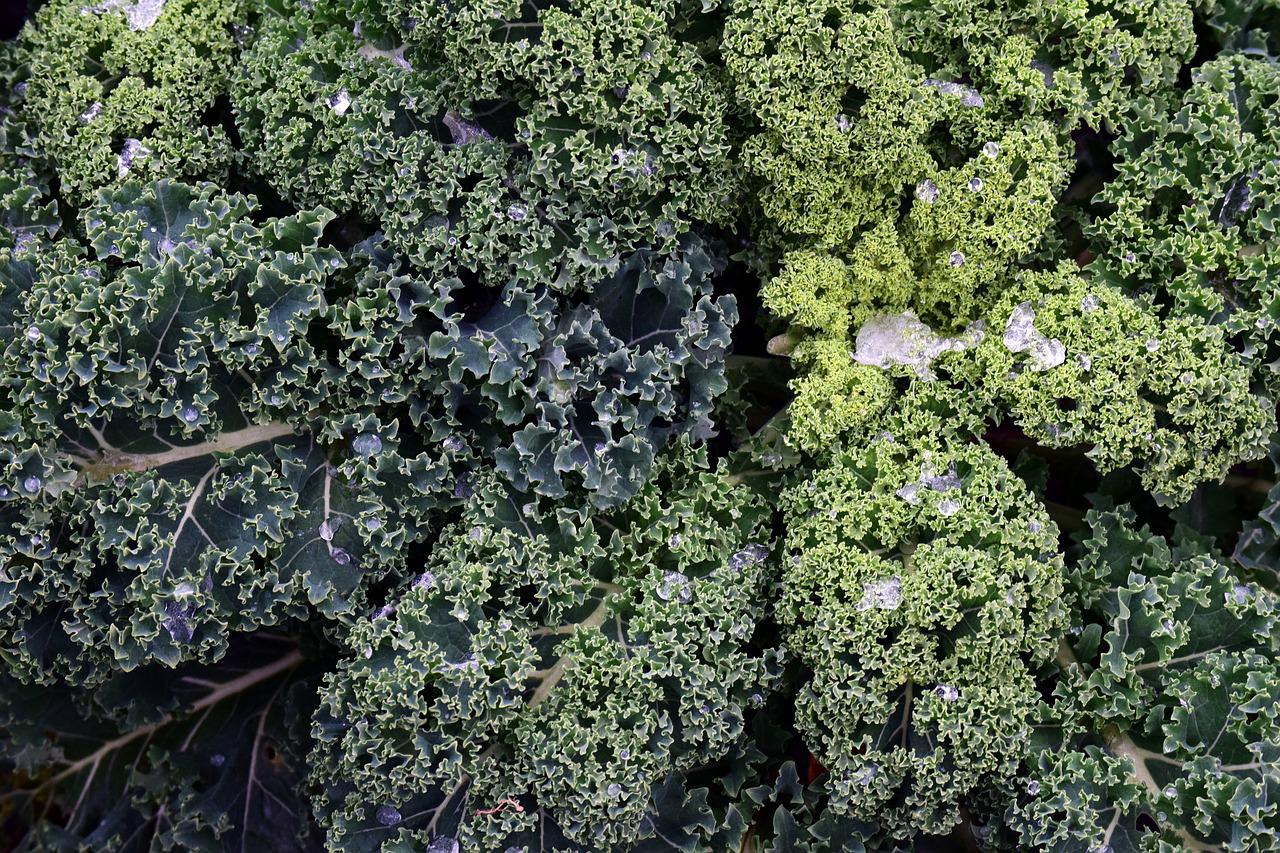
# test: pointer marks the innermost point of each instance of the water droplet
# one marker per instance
(674, 540)
(426, 580)
(217, 759)
(5, 492)
(340, 102)
(1034, 526)
(33, 334)
(132, 152)
(443, 845)
(614, 790)
(453, 444)
(1033, 787)
(948, 507)
(1240, 593)
(1084, 362)
(883, 594)
(366, 444)
(32, 484)
(373, 523)
(946, 692)
(253, 349)
(843, 124)
(675, 585)
(94, 110)
(517, 212)
(956, 258)
(975, 184)
(1089, 303)
(991, 149)
(340, 556)
(326, 531)
(1152, 345)
(910, 493)
(190, 414)
(750, 555)
(927, 191)
(388, 815)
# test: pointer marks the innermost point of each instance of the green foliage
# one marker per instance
(1163, 705)
(921, 590)
(549, 667)
(1192, 214)
(1077, 362)
(124, 88)
(501, 141)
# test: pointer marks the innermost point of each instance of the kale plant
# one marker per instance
(625, 426)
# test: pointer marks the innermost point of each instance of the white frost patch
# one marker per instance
(882, 595)
(396, 55)
(133, 151)
(141, 14)
(903, 339)
(1021, 335)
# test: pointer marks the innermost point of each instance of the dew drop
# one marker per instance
(975, 184)
(190, 414)
(366, 444)
(946, 692)
(517, 212)
(675, 585)
(32, 484)
(326, 531)
(1089, 303)
(340, 556)
(1033, 787)
(614, 790)
(956, 259)
(388, 815)
(991, 149)
(217, 759)
(927, 191)
(33, 334)
(948, 507)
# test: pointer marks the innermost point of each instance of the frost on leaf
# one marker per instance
(902, 339)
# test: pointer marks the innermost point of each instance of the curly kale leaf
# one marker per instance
(1192, 212)
(124, 89)
(526, 144)
(1077, 362)
(549, 668)
(922, 589)
(201, 757)
(1163, 719)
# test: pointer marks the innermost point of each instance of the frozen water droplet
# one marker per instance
(946, 692)
(167, 246)
(184, 590)
(910, 493)
(326, 531)
(843, 124)
(426, 580)
(176, 623)
(517, 212)
(975, 184)
(5, 492)
(1033, 787)
(340, 556)
(217, 759)
(443, 844)
(132, 152)
(190, 414)
(340, 102)
(477, 534)
(1089, 303)
(454, 444)
(388, 815)
(948, 507)
(366, 444)
(1152, 345)
(1240, 594)
(674, 540)
(675, 585)
(1034, 526)
(991, 149)
(1020, 335)
(1171, 792)
(956, 258)
(748, 556)
(33, 334)
(1084, 362)
(883, 594)
(32, 484)
(94, 110)
(614, 790)
(927, 191)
